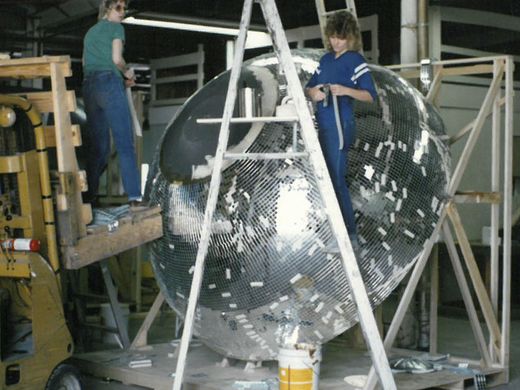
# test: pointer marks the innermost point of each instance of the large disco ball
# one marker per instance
(267, 276)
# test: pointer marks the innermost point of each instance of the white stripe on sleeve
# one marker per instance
(359, 67)
(358, 75)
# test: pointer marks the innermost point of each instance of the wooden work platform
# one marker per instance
(204, 371)
(135, 228)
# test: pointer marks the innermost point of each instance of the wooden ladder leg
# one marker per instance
(214, 187)
(350, 265)
(114, 304)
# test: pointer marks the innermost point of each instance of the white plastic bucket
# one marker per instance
(299, 369)
(107, 319)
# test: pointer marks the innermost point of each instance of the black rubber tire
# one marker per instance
(65, 377)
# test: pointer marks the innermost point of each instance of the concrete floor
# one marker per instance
(456, 338)
(454, 333)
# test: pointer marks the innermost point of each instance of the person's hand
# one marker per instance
(129, 78)
(129, 74)
(316, 94)
(339, 90)
(129, 83)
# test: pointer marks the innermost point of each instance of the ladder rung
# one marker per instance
(205, 121)
(264, 156)
(332, 12)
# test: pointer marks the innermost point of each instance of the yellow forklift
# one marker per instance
(43, 228)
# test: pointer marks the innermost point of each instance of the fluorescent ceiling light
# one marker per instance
(254, 38)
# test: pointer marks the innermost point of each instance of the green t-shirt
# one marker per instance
(97, 46)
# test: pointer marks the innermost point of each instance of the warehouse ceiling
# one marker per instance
(57, 26)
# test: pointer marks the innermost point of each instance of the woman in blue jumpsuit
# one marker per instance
(344, 74)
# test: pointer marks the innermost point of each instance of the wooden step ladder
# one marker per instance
(323, 14)
(315, 156)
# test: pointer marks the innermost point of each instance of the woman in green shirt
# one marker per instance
(106, 104)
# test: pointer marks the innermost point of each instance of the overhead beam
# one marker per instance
(67, 12)
(480, 18)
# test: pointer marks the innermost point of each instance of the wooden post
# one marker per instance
(466, 295)
(508, 186)
(141, 339)
(476, 278)
(434, 298)
(66, 155)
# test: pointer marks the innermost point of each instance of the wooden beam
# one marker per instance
(474, 136)
(133, 230)
(50, 136)
(468, 70)
(32, 68)
(66, 156)
(476, 278)
(434, 299)
(507, 210)
(141, 338)
(466, 296)
(332, 209)
(466, 129)
(455, 71)
(43, 102)
(435, 87)
(478, 197)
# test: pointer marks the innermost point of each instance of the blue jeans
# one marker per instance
(106, 106)
(337, 164)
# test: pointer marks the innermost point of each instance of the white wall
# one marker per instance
(460, 105)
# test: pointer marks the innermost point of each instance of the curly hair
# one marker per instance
(344, 25)
(106, 5)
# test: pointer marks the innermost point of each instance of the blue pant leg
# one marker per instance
(118, 115)
(96, 139)
(348, 213)
(337, 165)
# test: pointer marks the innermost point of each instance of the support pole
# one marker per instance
(508, 186)
(495, 207)
(408, 31)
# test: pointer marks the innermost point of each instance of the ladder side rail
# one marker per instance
(350, 6)
(212, 195)
(317, 160)
(320, 8)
